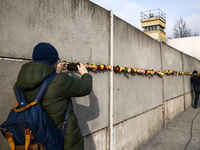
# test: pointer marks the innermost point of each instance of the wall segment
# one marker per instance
(80, 31)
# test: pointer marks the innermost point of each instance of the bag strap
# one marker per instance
(65, 122)
(10, 140)
(43, 87)
(20, 95)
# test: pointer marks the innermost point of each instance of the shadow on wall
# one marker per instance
(85, 114)
(87, 111)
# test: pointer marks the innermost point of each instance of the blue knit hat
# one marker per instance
(45, 52)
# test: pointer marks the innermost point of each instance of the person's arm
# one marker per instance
(75, 87)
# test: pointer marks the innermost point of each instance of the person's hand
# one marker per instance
(60, 69)
(81, 69)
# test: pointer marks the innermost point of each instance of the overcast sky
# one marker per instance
(130, 10)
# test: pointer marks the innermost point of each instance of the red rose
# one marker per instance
(105, 68)
(115, 68)
(98, 67)
(146, 71)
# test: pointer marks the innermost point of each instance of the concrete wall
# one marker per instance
(80, 31)
(188, 66)
(130, 51)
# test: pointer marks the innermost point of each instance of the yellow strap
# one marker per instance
(27, 141)
(26, 107)
(11, 141)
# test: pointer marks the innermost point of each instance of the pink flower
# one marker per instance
(143, 71)
(110, 67)
(95, 69)
(90, 66)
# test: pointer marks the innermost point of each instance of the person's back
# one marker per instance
(195, 81)
(58, 94)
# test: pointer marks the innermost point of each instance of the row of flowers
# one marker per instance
(126, 70)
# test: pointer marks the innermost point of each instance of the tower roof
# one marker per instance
(156, 13)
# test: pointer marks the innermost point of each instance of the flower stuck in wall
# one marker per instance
(119, 69)
(128, 70)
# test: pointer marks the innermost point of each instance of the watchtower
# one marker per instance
(153, 23)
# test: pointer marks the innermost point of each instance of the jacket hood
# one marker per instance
(32, 75)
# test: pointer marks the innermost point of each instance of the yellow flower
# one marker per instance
(102, 66)
(120, 69)
(94, 66)
(161, 73)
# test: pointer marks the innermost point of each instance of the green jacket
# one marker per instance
(56, 98)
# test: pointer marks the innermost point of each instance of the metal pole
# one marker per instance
(111, 80)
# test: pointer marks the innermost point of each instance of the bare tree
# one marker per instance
(196, 34)
(181, 30)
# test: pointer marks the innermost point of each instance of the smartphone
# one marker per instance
(72, 67)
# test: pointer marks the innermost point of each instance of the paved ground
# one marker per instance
(182, 133)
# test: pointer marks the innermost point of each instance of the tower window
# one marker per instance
(151, 28)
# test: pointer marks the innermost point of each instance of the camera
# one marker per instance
(71, 66)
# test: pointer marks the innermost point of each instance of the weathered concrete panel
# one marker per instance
(78, 29)
(173, 108)
(188, 100)
(135, 93)
(97, 141)
(172, 60)
(173, 86)
(92, 111)
(188, 66)
(133, 48)
(130, 134)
